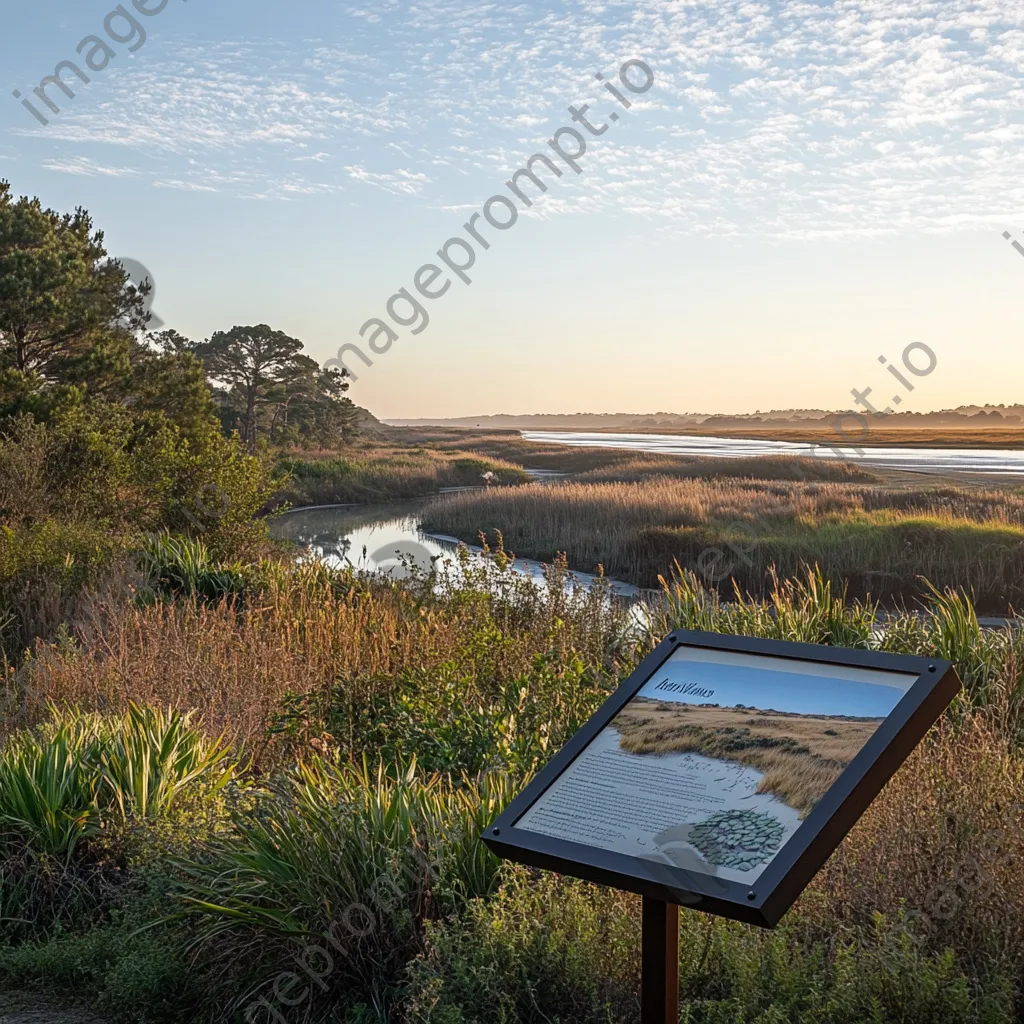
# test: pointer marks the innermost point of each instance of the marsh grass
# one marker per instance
(328, 644)
(385, 473)
(800, 756)
(771, 467)
(874, 540)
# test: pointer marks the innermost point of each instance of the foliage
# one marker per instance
(266, 380)
(70, 793)
(550, 949)
(48, 571)
(171, 383)
(49, 786)
(479, 679)
(67, 311)
(138, 978)
(361, 856)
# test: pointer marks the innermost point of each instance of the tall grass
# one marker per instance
(877, 541)
(320, 641)
(385, 473)
(175, 565)
(353, 858)
(49, 786)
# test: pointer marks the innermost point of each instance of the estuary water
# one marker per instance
(387, 537)
(979, 461)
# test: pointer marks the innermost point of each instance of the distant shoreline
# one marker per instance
(1011, 437)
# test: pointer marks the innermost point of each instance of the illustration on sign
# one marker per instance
(716, 761)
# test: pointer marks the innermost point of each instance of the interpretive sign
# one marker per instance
(725, 770)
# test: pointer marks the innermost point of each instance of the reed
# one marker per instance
(385, 473)
(873, 540)
(309, 632)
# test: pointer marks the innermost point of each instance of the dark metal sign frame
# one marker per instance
(783, 879)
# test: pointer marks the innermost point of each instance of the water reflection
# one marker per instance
(984, 461)
(387, 538)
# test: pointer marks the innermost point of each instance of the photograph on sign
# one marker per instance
(716, 761)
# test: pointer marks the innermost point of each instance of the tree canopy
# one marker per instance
(72, 330)
(267, 385)
(68, 313)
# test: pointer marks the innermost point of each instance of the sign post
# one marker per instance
(720, 776)
(659, 970)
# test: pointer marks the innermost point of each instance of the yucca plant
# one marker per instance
(364, 855)
(49, 785)
(153, 756)
(183, 565)
(58, 782)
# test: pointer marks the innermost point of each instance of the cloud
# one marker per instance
(402, 182)
(779, 118)
(84, 166)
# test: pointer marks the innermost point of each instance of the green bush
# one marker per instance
(549, 949)
(131, 976)
(358, 859)
(79, 492)
(66, 788)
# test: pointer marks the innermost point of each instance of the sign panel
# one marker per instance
(725, 770)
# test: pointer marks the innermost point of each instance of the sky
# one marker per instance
(778, 684)
(805, 187)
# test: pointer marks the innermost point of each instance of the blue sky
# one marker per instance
(795, 693)
(806, 186)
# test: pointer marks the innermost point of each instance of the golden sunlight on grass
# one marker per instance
(800, 755)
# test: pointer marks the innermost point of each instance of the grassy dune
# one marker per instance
(800, 755)
(879, 540)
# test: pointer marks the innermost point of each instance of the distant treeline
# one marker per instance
(963, 416)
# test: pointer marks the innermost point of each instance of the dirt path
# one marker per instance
(16, 1009)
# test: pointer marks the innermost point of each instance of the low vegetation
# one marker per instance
(873, 539)
(349, 738)
(381, 472)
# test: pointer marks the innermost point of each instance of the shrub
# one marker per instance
(77, 494)
(47, 571)
(554, 949)
(66, 788)
(358, 859)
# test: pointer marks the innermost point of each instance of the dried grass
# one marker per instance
(799, 755)
(879, 540)
(235, 662)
